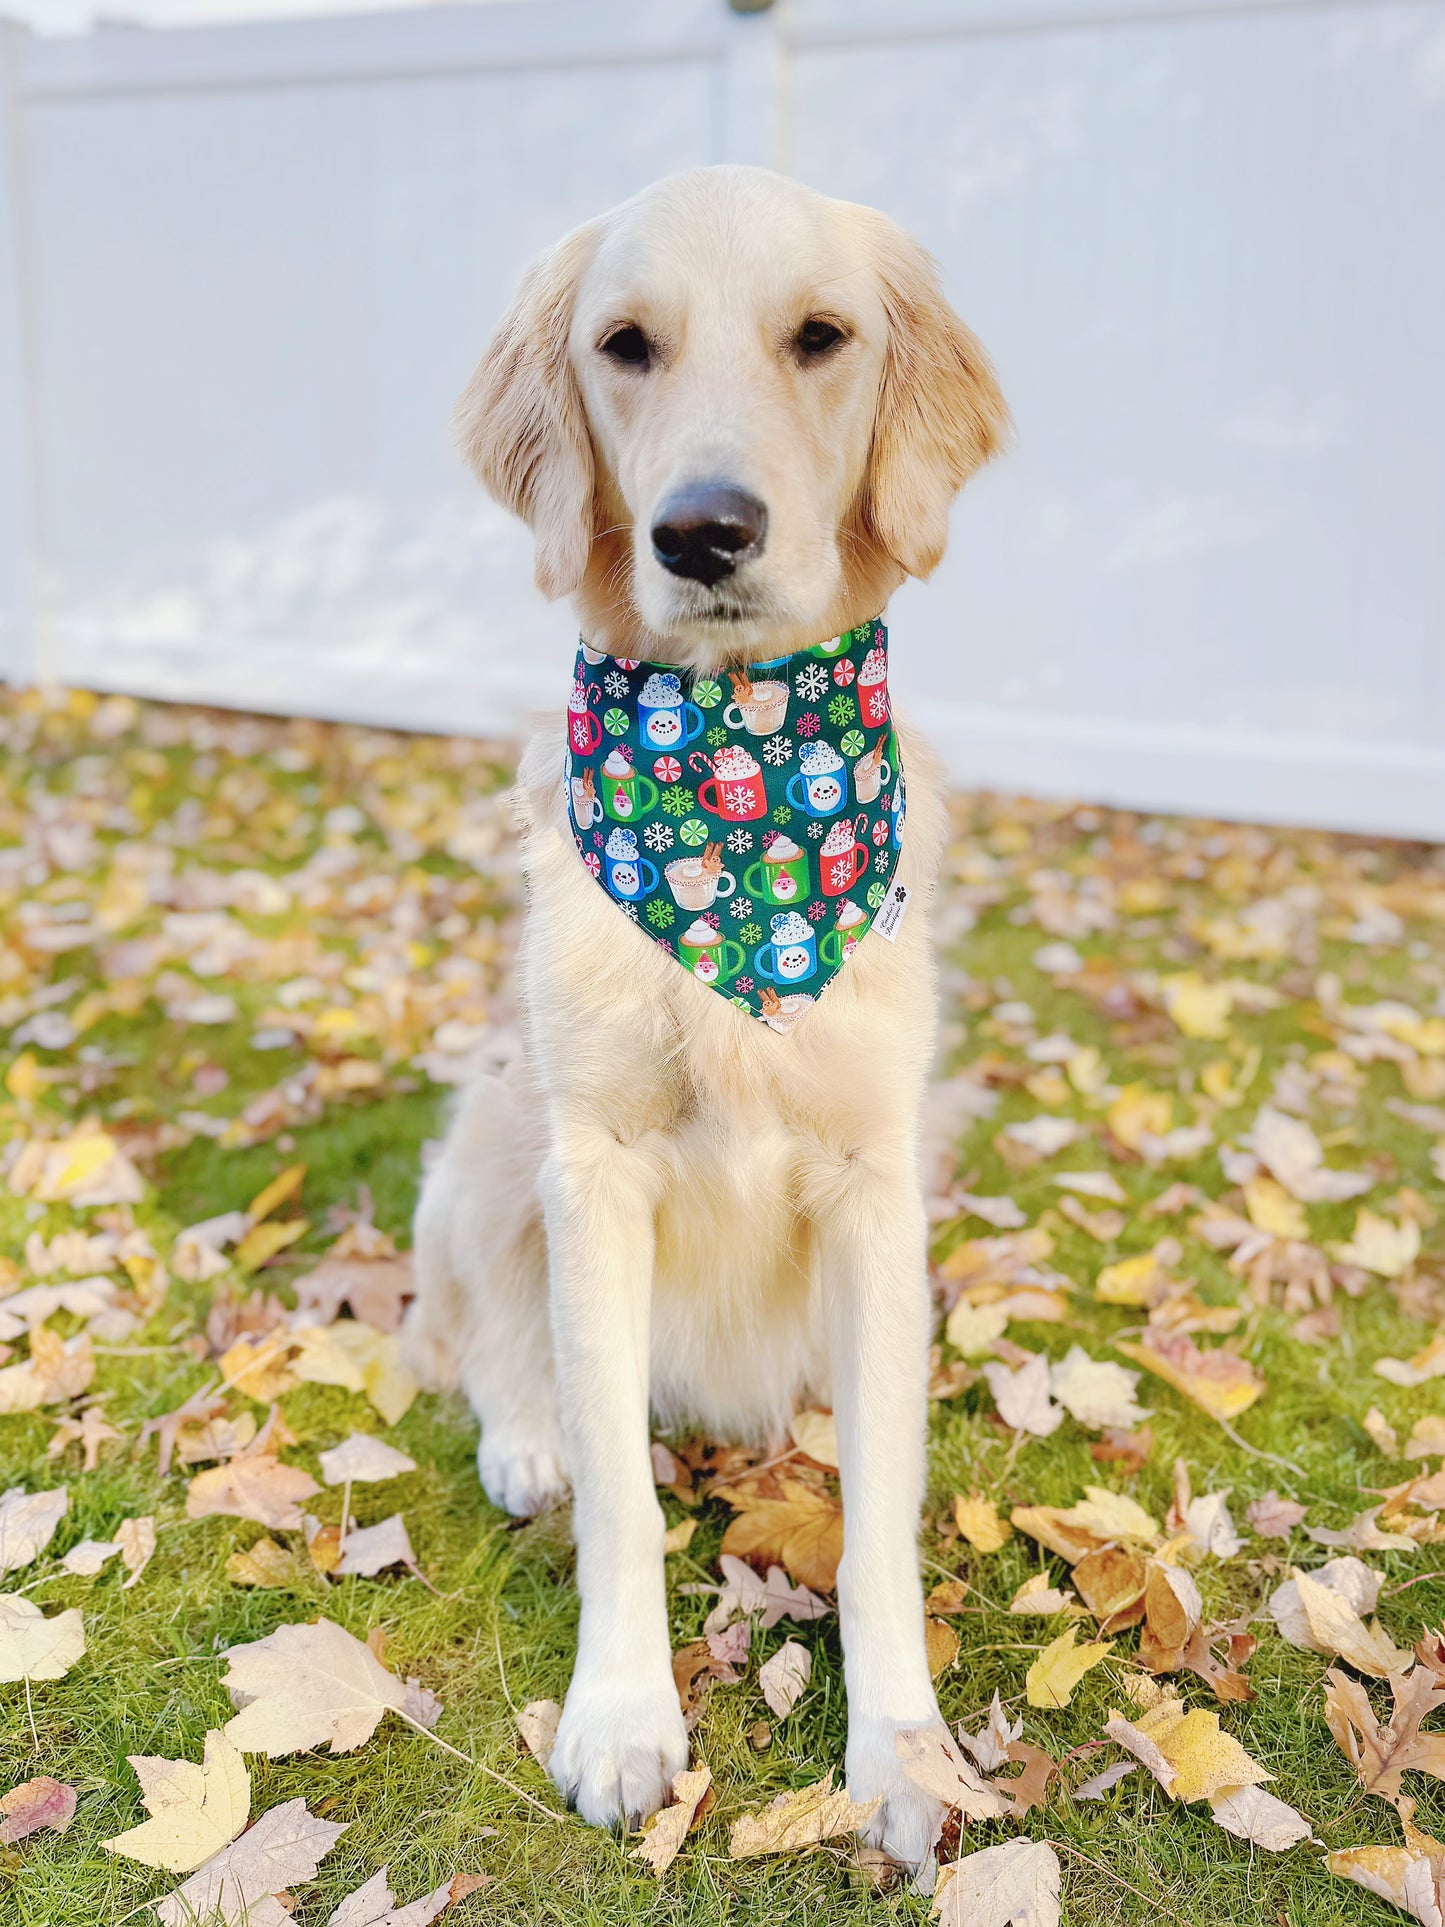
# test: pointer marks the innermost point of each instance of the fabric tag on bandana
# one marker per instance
(754, 839)
(889, 920)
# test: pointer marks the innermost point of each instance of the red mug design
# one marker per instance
(739, 794)
(843, 857)
(584, 732)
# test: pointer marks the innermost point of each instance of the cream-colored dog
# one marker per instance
(666, 1207)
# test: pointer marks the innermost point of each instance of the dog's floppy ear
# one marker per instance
(521, 422)
(940, 414)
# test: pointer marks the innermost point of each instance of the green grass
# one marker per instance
(498, 1630)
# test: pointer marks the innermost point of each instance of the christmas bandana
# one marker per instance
(749, 823)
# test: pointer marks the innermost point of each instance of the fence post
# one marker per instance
(753, 120)
(19, 428)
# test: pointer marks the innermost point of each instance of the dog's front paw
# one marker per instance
(617, 1749)
(907, 1823)
(521, 1469)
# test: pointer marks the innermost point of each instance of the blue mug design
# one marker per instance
(821, 790)
(899, 812)
(664, 720)
(623, 867)
(791, 957)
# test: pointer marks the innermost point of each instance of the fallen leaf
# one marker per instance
(263, 1242)
(537, 1724)
(306, 1686)
(1218, 1382)
(744, 1595)
(285, 1847)
(941, 1644)
(1362, 1534)
(360, 1359)
(1022, 1396)
(1380, 1754)
(1186, 1751)
(1249, 1813)
(1412, 1876)
(1111, 1583)
(679, 1537)
(1096, 1392)
(1098, 1784)
(802, 1531)
(798, 1819)
(1273, 1517)
(1172, 1605)
(784, 1677)
(367, 1550)
(1131, 1450)
(1353, 1581)
(34, 1647)
(816, 1434)
(135, 1540)
(977, 1519)
(933, 1762)
(972, 1329)
(257, 1367)
(1294, 1154)
(1427, 1437)
(195, 1810)
(1111, 1515)
(1037, 1597)
(1382, 1434)
(57, 1370)
(257, 1487)
(990, 1744)
(1409, 1372)
(362, 1459)
(669, 1828)
(1015, 1884)
(374, 1904)
(34, 1804)
(1380, 1245)
(376, 1288)
(1335, 1628)
(27, 1524)
(1051, 1679)
(90, 1431)
(286, 1184)
(1209, 1528)
(267, 1564)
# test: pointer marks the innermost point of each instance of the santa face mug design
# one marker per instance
(663, 719)
(780, 874)
(584, 732)
(708, 954)
(791, 957)
(625, 791)
(818, 786)
(843, 857)
(739, 794)
(843, 939)
(623, 867)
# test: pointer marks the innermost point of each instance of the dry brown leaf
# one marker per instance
(941, 1643)
(1022, 1792)
(1015, 1884)
(784, 1677)
(668, 1829)
(1412, 1876)
(1111, 1583)
(1219, 1382)
(307, 1686)
(537, 1723)
(932, 1761)
(798, 1820)
(33, 1647)
(1131, 1450)
(257, 1367)
(376, 1289)
(268, 1564)
(1337, 1629)
(57, 1370)
(1274, 1517)
(1380, 1754)
(34, 1804)
(283, 1848)
(28, 1522)
(195, 1810)
(802, 1531)
(257, 1487)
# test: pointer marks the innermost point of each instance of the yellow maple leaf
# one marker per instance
(1051, 1680)
(1272, 1209)
(1199, 1008)
(977, 1519)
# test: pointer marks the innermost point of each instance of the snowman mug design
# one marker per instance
(780, 874)
(823, 786)
(739, 794)
(663, 718)
(708, 954)
(622, 788)
(792, 955)
(623, 867)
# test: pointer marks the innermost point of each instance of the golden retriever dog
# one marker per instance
(666, 1211)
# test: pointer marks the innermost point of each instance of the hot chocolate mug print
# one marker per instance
(757, 858)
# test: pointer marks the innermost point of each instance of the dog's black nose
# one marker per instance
(704, 530)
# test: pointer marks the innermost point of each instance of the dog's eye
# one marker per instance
(628, 345)
(816, 338)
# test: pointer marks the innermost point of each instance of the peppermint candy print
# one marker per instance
(752, 832)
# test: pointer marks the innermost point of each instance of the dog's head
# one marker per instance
(734, 413)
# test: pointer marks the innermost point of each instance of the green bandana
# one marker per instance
(753, 838)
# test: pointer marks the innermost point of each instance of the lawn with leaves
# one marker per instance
(235, 947)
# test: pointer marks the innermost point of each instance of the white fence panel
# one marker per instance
(246, 270)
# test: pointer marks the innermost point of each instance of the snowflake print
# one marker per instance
(881, 863)
(664, 946)
(817, 911)
(598, 839)
(842, 710)
(693, 832)
(593, 863)
(630, 910)
(741, 906)
(843, 673)
(811, 683)
(809, 723)
(658, 837)
(740, 841)
(854, 743)
(615, 683)
(817, 829)
(876, 894)
(742, 983)
(782, 814)
(777, 750)
(615, 722)
(660, 915)
(717, 736)
(677, 799)
(751, 932)
(707, 694)
(667, 769)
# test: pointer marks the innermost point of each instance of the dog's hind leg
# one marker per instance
(480, 1317)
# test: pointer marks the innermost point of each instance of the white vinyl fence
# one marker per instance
(245, 270)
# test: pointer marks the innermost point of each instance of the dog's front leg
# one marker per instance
(873, 1251)
(621, 1737)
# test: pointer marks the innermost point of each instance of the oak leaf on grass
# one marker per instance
(1380, 1754)
(255, 1486)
